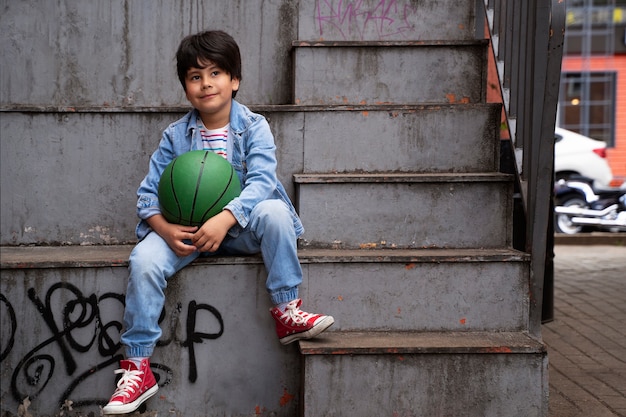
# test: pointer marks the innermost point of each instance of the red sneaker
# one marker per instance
(294, 324)
(133, 389)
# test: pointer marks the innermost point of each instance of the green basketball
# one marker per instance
(196, 186)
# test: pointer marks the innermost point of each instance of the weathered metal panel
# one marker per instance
(493, 385)
(387, 20)
(121, 53)
(436, 138)
(417, 342)
(219, 354)
(71, 178)
(461, 295)
(408, 214)
(389, 73)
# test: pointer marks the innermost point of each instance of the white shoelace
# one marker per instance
(295, 314)
(128, 382)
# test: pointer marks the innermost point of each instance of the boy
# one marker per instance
(262, 219)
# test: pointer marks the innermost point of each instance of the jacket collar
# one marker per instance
(239, 119)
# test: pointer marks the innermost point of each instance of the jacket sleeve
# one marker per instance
(259, 170)
(147, 194)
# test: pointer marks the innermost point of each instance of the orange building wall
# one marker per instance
(616, 156)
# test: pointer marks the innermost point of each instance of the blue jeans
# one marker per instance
(270, 231)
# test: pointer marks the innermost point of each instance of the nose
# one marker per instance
(206, 82)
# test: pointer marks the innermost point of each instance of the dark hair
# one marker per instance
(212, 45)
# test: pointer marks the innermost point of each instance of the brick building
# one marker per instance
(593, 82)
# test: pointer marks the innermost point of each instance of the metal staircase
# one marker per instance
(404, 202)
(391, 155)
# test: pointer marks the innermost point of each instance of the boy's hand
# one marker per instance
(210, 235)
(174, 234)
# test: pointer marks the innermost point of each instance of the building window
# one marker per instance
(596, 12)
(595, 27)
(587, 104)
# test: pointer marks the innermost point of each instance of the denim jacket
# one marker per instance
(251, 151)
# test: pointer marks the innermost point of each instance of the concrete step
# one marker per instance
(428, 374)
(423, 290)
(367, 289)
(406, 72)
(376, 20)
(406, 210)
(61, 312)
(426, 138)
(76, 220)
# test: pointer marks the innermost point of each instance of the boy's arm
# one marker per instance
(173, 234)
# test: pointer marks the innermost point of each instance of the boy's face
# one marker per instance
(210, 91)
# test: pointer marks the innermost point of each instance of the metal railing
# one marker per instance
(527, 38)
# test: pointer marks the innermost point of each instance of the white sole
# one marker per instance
(311, 333)
(129, 408)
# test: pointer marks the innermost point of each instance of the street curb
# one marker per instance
(595, 238)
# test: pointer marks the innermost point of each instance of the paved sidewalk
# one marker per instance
(587, 339)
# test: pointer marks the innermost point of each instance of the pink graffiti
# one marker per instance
(354, 18)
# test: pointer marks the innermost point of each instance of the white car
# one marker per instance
(575, 154)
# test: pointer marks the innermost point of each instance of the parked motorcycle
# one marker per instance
(579, 205)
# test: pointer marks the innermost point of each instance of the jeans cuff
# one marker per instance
(139, 352)
(284, 296)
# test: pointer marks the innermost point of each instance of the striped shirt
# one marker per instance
(215, 140)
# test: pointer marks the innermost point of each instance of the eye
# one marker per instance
(215, 73)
